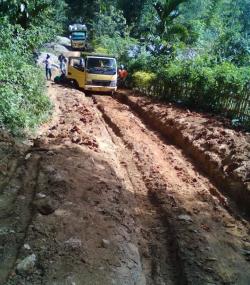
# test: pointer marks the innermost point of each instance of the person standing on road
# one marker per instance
(63, 66)
(48, 66)
(122, 75)
(62, 61)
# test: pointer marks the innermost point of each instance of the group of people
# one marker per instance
(48, 65)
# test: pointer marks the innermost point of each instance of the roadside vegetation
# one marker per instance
(198, 57)
(25, 26)
(191, 52)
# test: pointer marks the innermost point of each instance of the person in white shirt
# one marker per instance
(48, 66)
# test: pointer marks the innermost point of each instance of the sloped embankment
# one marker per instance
(221, 152)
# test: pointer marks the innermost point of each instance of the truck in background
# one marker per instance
(78, 36)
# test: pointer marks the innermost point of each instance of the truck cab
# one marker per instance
(78, 36)
(96, 73)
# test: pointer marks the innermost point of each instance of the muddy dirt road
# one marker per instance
(98, 197)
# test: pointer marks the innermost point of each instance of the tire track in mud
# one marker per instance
(169, 238)
(17, 213)
(208, 241)
(158, 245)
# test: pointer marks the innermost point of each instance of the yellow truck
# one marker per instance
(93, 72)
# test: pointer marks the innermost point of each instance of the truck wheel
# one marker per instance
(74, 84)
(87, 93)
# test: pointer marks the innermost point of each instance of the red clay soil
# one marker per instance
(220, 151)
(100, 197)
(205, 237)
(67, 217)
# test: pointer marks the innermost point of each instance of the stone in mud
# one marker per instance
(46, 206)
(185, 218)
(105, 243)
(50, 153)
(74, 243)
(27, 265)
(246, 252)
(27, 156)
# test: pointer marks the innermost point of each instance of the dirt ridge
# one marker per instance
(211, 163)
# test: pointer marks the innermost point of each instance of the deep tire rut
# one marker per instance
(169, 238)
(158, 245)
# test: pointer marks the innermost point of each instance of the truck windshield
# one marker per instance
(78, 36)
(105, 66)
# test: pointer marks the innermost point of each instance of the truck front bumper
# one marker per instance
(99, 88)
(77, 45)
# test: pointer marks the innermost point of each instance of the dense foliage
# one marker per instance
(202, 85)
(193, 52)
(25, 26)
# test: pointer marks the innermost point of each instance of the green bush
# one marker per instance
(23, 103)
(24, 29)
(199, 83)
(143, 80)
(116, 45)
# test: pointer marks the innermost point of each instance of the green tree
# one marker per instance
(82, 11)
(132, 10)
(110, 22)
(32, 12)
(167, 12)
